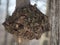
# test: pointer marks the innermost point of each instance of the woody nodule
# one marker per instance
(27, 22)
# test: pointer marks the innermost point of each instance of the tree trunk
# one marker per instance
(54, 18)
(6, 34)
(0, 2)
(20, 3)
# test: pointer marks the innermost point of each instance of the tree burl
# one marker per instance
(27, 22)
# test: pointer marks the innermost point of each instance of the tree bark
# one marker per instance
(20, 3)
(54, 18)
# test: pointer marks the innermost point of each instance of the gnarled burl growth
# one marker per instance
(27, 22)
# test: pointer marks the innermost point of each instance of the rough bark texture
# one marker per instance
(27, 22)
(21, 3)
(54, 15)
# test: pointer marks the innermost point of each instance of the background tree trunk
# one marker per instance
(0, 2)
(54, 18)
(6, 34)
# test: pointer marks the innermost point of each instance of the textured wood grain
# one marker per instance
(54, 15)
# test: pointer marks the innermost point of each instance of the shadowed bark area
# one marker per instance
(54, 18)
